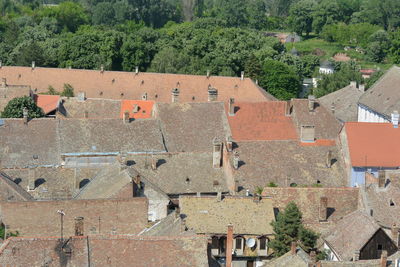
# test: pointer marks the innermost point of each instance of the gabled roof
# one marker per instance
(124, 251)
(287, 162)
(48, 103)
(93, 108)
(144, 108)
(300, 259)
(341, 202)
(384, 96)
(189, 127)
(208, 215)
(351, 234)
(10, 191)
(373, 144)
(261, 121)
(345, 103)
(129, 85)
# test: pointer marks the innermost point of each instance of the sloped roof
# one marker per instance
(40, 218)
(345, 102)
(373, 144)
(95, 108)
(145, 108)
(10, 191)
(208, 215)
(47, 103)
(179, 173)
(191, 127)
(300, 259)
(326, 125)
(261, 121)
(121, 251)
(351, 234)
(128, 85)
(384, 96)
(287, 162)
(341, 201)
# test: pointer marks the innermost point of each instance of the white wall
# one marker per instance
(331, 255)
(325, 70)
(367, 115)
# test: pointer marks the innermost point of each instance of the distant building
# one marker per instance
(326, 67)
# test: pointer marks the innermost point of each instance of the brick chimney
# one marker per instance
(3, 82)
(236, 160)
(212, 94)
(381, 179)
(384, 256)
(307, 134)
(153, 163)
(229, 246)
(395, 119)
(126, 117)
(229, 143)
(31, 179)
(33, 65)
(217, 153)
(395, 235)
(323, 209)
(25, 115)
(329, 159)
(81, 96)
(356, 256)
(231, 107)
(79, 226)
(175, 95)
(288, 109)
(293, 248)
(311, 103)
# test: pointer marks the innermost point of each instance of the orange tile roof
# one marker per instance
(373, 144)
(261, 121)
(48, 103)
(144, 108)
(128, 85)
(320, 142)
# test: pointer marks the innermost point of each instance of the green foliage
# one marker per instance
(280, 80)
(51, 91)
(259, 190)
(68, 90)
(253, 68)
(301, 19)
(288, 228)
(394, 50)
(272, 184)
(9, 234)
(352, 34)
(15, 107)
(374, 77)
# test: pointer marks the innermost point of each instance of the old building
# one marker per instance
(10, 191)
(9, 92)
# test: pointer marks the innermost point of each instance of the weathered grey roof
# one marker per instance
(326, 125)
(351, 234)
(179, 173)
(300, 259)
(345, 103)
(94, 107)
(384, 96)
(192, 126)
(172, 225)
(10, 191)
(287, 162)
(211, 216)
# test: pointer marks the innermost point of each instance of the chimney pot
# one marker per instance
(384, 256)
(293, 248)
(288, 110)
(231, 107)
(153, 163)
(126, 117)
(219, 196)
(356, 256)
(102, 68)
(323, 209)
(79, 226)
(242, 75)
(208, 74)
(175, 95)
(329, 159)
(395, 119)
(81, 96)
(229, 246)
(353, 84)
(137, 70)
(311, 103)
(1, 64)
(217, 153)
(361, 87)
(229, 143)
(25, 115)
(381, 179)
(31, 179)
(395, 230)
(33, 65)
(236, 160)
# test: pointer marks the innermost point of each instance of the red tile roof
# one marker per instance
(373, 144)
(128, 85)
(48, 103)
(261, 121)
(144, 108)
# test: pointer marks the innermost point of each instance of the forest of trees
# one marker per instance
(193, 36)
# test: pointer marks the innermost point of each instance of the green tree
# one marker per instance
(68, 90)
(301, 19)
(103, 13)
(280, 80)
(253, 68)
(394, 49)
(14, 108)
(51, 91)
(374, 77)
(288, 228)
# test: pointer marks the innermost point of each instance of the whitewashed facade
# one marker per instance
(367, 115)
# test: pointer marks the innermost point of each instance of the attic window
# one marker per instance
(142, 82)
(35, 156)
(318, 181)
(122, 94)
(156, 96)
(187, 180)
(215, 182)
(101, 93)
(113, 80)
(193, 98)
(380, 247)
(391, 203)
(19, 75)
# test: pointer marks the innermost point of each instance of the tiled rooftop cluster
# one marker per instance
(146, 169)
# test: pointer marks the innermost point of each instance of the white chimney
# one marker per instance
(81, 96)
(311, 103)
(102, 68)
(395, 119)
(353, 84)
(361, 87)
(137, 70)
(208, 74)
(33, 65)
(242, 76)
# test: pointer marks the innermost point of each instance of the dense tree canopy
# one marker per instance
(15, 107)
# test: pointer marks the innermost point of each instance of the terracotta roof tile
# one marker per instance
(373, 144)
(144, 108)
(261, 121)
(47, 103)
(128, 85)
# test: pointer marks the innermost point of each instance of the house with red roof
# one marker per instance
(370, 147)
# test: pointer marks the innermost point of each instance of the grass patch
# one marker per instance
(310, 45)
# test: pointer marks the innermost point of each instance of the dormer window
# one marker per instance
(239, 245)
(391, 203)
(262, 246)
